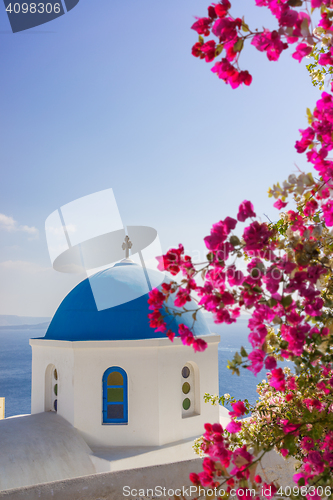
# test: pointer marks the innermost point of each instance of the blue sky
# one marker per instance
(109, 95)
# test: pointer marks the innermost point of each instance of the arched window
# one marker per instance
(51, 388)
(190, 390)
(115, 404)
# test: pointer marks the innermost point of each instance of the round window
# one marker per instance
(186, 388)
(186, 404)
(186, 372)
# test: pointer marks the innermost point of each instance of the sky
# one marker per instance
(109, 96)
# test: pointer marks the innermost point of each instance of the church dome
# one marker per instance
(78, 319)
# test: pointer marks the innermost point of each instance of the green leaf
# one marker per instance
(237, 358)
(287, 300)
(210, 256)
(272, 302)
(245, 27)
(234, 240)
(243, 352)
(238, 45)
(218, 50)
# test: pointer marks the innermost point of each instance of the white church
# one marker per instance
(108, 392)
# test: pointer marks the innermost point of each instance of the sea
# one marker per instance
(15, 364)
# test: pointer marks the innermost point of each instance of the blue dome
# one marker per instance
(77, 318)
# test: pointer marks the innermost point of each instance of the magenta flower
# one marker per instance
(206, 479)
(326, 59)
(208, 49)
(235, 277)
(182, 297)
(199, 345)
(222, 8)
(279, 204)
(171, 261)
(202, 26)
(156, 320)
(257, 360)
(328, 213)
(156, 299)
(302, 50)
(256, 236)
(291, 384)
(194, 478)
(245, 211)
(239, 409)
(219, 234)
(233, 427)
(185, 334)
(270, 362)
(277, 379)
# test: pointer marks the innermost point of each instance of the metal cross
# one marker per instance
(126, 246)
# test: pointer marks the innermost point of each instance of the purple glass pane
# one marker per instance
(115, 411)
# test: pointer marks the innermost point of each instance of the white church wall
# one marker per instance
(174, 424)
(92, 359)
(45, 354)
(154, 371)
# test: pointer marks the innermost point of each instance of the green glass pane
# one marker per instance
(115, 378)
(186, 388)
(186, 372)
(55, 388)
(186, 404)
(116, 395)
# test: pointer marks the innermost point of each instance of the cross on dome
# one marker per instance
(126, 246)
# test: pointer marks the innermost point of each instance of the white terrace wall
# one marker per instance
(110, 486)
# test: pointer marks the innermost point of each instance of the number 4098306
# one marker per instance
(34, 8)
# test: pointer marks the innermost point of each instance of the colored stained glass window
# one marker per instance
(55, 374)
(115, 378)
(115, 404)
(186, 388)
(186, 404)
(55, 389)
(55, 405)
(186, 372)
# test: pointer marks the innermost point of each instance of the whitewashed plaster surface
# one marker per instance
(155, 397)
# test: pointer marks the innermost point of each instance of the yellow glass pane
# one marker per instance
(115, 395)
(115, 378)
(186, 388)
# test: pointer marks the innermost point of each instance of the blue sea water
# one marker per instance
(15, 365)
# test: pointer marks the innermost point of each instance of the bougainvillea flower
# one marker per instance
(277, 379)
(245, 211)
(233, 427)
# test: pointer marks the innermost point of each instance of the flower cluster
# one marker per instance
(293, 26)
(287, 288)
(280, 273)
